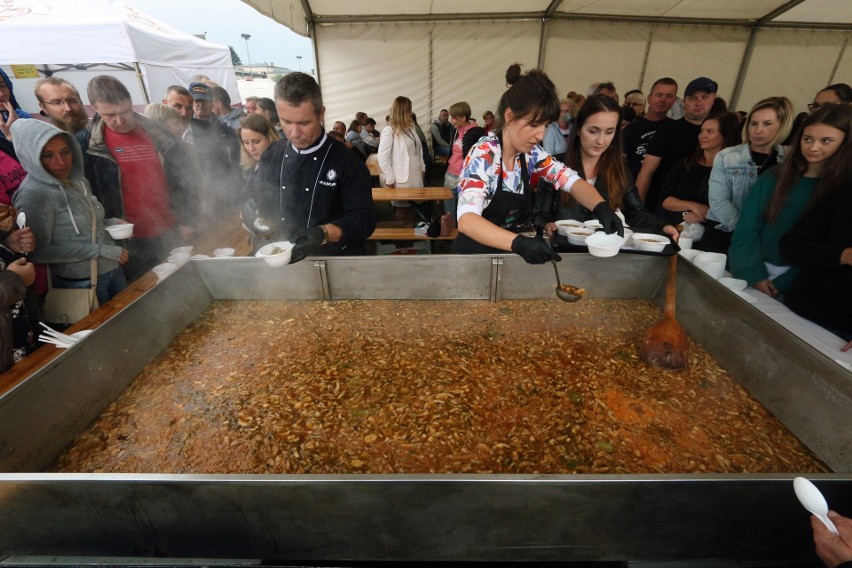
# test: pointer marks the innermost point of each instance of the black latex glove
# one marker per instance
(307, 242)
(534, 250)
(543, 206)
(610, 221)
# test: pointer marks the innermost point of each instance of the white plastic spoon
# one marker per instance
(22, 222)
(814, 501)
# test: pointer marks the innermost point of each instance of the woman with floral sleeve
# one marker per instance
(497, 187)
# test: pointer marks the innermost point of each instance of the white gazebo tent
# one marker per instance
(78, 39)
(440, 51)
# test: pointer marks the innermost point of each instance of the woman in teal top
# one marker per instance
(780, 197)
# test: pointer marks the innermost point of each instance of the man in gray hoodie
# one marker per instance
(59, 205)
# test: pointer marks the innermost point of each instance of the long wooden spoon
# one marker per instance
(666, 344)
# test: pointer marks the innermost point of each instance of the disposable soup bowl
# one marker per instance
(276, 254)
(713, 263)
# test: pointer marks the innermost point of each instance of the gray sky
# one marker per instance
(225, 21)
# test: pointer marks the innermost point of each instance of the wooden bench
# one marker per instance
(411, 194)
(406, 234)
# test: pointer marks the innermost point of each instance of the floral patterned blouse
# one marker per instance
(478, 183)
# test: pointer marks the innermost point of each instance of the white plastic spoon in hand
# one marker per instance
(812, 500)
(22, 220)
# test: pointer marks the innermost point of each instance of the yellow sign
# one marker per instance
(25, 71)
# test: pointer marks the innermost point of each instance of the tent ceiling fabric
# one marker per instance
(438, 52)
(736, 12)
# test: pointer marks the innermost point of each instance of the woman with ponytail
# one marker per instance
(497, 188)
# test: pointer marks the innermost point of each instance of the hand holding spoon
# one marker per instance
(814, 501)
(22, 223)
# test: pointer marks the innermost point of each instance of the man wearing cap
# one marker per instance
(218, 152)
(675, 140)
(60, 101)
(309, 189)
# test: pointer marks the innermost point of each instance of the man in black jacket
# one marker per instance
(309, 188)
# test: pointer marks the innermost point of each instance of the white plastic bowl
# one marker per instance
(178, 258)
(713, 263)
(120, 232)
(163, 270)
(603, 245)
(187, 250)
(578, 235)
(563, 225)
(223, 252)
(734, 284)
(279, 258)
(593, 224)
(649, 242)
(198, 257)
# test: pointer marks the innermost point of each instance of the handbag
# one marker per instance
(66, 306)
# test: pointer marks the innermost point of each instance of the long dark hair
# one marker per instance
(729, 128)
(836, 172)
(531, 95)
(611, 164)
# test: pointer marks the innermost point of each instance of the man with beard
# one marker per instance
(60, 101)
(310, 189)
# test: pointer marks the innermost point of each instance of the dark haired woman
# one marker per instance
(595, 152)
(497, 195)
(821, 246)
(836, 94)
(684, 192)
(818, 165)
(266, 107)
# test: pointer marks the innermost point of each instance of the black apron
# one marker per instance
(508, 210)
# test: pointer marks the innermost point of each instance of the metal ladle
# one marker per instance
(560, 292)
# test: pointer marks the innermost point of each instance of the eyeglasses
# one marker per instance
(70, 101)
(816, 106)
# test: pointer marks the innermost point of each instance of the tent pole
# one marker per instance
(541, 44)
(542, 47)
(752, 39)
(431, 94)
(837, 61)
(744, 65)
(141, 83)
(645, 59)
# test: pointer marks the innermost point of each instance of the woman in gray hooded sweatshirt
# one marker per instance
(58, 202)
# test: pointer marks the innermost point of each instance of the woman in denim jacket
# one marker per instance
(736, 169)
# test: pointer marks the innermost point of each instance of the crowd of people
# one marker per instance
(769, 188)
(763, 187)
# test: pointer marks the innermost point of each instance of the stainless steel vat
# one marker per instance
(417, 517)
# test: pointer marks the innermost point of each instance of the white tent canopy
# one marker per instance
(84, 35)
(438, 52)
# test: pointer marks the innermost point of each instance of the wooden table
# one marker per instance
(411, 193)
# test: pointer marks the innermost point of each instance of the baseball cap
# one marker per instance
(201, 91)
(701, 83)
